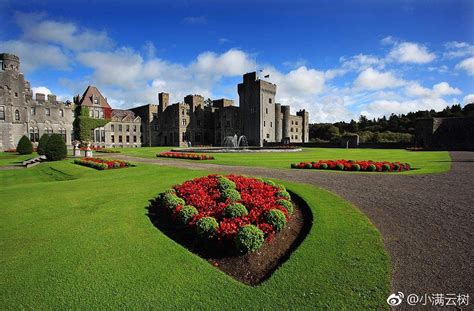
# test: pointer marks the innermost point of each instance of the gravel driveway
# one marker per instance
(426, 221)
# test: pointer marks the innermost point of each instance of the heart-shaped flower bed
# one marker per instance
(245, 226)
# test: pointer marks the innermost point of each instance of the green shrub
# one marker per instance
(172, 201)
(186, 213)
(24, 146)
(55, 148)
(293, 165)
(323, 166)
(235, 210)
(355, 167)
(224, 183)
(276, 219)
(170, 191)
(231, 194)
(371, 168)
(283, 194)
(339, 167)
(308, 165)
(281, 187)
(286, 205)
(42, 144)
(249, 238)
(385, 167)
(269, 182)
(206, 226)
(396, 167)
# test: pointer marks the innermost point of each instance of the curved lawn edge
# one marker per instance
(341, 264)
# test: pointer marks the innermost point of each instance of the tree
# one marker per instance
(24, 146)
(42, 144)
(55, 148)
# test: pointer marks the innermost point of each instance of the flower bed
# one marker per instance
(351, 165)
(237, 211)
(102, 164)
(94, 148)
(183, 155)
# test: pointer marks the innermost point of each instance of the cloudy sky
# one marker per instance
(336, 60)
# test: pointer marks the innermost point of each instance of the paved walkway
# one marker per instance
(426, 221)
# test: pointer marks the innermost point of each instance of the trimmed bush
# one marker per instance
(187, 213)
(371, 168)
(269, 182)
(24, 146)
(323, 166)
(42, 144)
(235, 210)
(355, 167)
(286, 205)
(55, 148)
(276, 218)
(339, 167)
(170, 191)
(293, 165)
(385, 167)
(281, 187)
(283, 194)
(206, 226)
(396, 167)
(231, 194)
(309, 165)
(249, 238)
(225, 183)
(172, 201)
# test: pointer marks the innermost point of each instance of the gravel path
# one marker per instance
(426, 221)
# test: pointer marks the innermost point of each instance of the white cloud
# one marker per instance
(389, 40)
(380, 108)
(409, 52)
(36, 29)
(468, 99)
(438, 90)
(36, 55)
(361, 62)
(374, 80)
(231, 63)
(456, 49)
(467, 65)
(41, 90)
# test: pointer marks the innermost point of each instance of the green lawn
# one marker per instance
(76, 238)
(424, 161)
(13, 158)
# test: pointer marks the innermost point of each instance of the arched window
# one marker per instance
(32, 134)
(61, 113)
(37, 133)
(17, 115)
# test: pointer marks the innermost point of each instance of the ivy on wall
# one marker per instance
(84, 124)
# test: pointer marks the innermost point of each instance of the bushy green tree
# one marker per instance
(42, 144)
(24, 146)
(56, 148)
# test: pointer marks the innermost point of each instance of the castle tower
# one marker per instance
(278, 123)
(163, 101)
(285, 110)
(257, 105)
(194, 101)
(305, 126)
(9, 62)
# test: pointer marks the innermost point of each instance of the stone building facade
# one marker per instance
(21, 114)
(198, 122)
(445, 133)
(123, 130)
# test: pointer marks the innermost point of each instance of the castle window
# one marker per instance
(32, 134)
(269, 100)
(296, 130)
(227, 123)
(120, 127)
(183, 136)
(2, 113)
(127, 128)
(134, 139)
(182, 112)
(120, 138)
(36, 135)
(271, 124)
(128, 138)
(292, 123)
(134, 128)
(17, 115)
(268, 135)
(33, 111)
(96, 100)
(16, 94)
(102, 135)
(296, 136)
(296, 122)
(112, 138)
(63, 134)
(61, 113)
(291, 129)
(112, 128)
(47, 112)
(266, 110)
(97, 114)
(183, 122)
(101, 114)
(263, 123)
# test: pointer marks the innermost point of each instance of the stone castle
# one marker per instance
(194, 121)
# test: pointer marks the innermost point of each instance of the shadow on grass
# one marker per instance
(250, 268)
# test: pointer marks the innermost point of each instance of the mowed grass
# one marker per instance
(13, 158)
(76, 238)
(424, 162)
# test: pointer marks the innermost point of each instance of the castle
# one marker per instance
(194, 121)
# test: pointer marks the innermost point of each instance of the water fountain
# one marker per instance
(235, 141)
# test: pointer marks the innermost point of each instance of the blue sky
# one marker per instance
(338, 60)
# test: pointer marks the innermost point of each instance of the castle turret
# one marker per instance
(10, 62)
(278, 123)
(285, 110)
(163, 101)
(305, 126)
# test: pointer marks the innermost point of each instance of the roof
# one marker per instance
(123, 115)
(88, 96)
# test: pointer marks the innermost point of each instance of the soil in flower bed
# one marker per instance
(351, 165)
(251, 268)
(183, 155)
